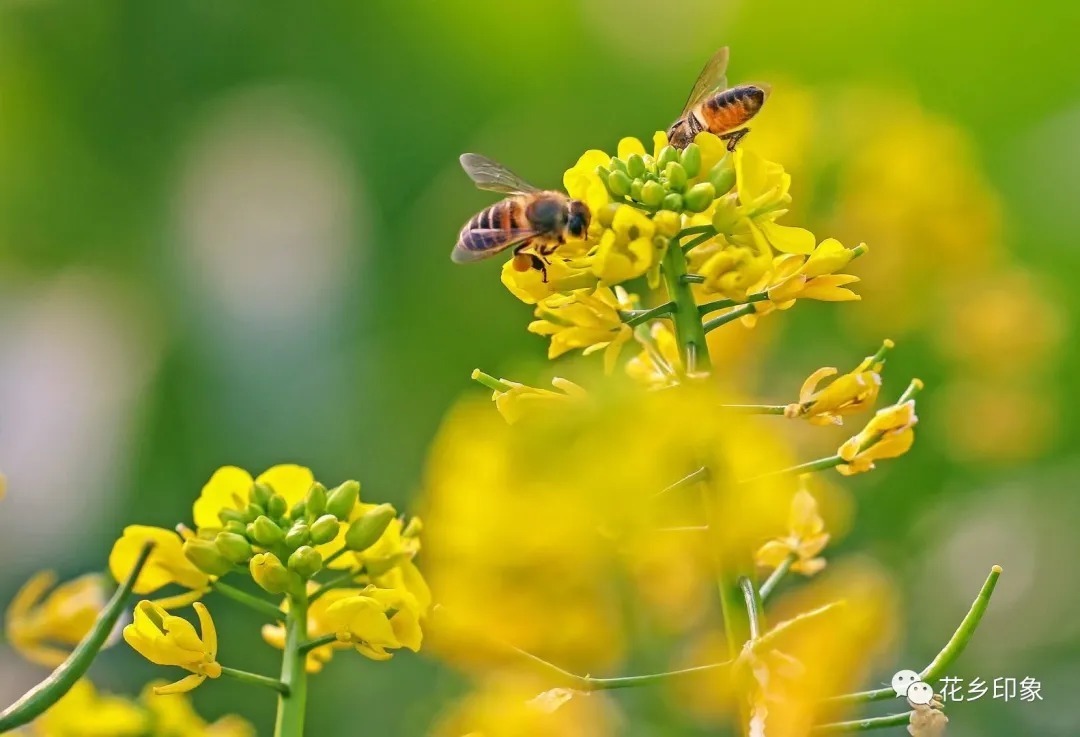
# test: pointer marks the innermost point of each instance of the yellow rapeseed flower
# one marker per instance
(83, 712)
(375, 621)
(659, 365)
(806, 537)
(166, 564)
(889, 434)
(627, 249)
(43, 627)
(585, 320)
(763, 189)
(317, 626)
(846, 394)
(230, 488)
(173, 715)
(735, 265)
(815, 276)
(516, 401)
(166, 639)
(563, 275)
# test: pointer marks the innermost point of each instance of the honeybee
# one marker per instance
(532, 221)
(713, 107)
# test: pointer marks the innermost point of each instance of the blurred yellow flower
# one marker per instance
(589, 321)
(846, 394)
(83, 712)
(806, 537)
(43, 628)
(230, 488)
(166, 639)
(375, 620)
(166, 564)
(3, 485)
(889, 434)
(173, 715)
(516, 401)
(659, 363)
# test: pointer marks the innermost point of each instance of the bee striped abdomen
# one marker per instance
(490, 231)
(731, 108)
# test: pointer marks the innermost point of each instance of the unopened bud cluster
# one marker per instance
(281, 546)
(672, 180)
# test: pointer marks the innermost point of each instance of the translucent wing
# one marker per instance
(713, 77)
(480, 243)
(493, 176)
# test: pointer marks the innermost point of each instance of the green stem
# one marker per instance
(636, 317)
(59, 682)
(689, 333)
(291, 707)
(689, 480)
(333, 583)
(692, 279)
(255, 678)
(252, 602)
(864, 725)
(723, 304)
(820, 464)
(754, 611)
(703, 233)
(776, 576)
(948, 655)
(490, 381)
(317, 642)
(727, 317)
(589, 683)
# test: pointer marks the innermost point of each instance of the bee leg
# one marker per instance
(734, 137)
(540, 264)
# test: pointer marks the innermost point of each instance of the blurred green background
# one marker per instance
(224, 231)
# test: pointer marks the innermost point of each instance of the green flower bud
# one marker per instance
(603, 173)
(606, 214)
(235, 548)
(726, 216)
(412, 529)
(652, 193)
(235, 527)
(266, 532)
(636, 187)
(276, 506)
(366, 531)
(691, 159)
(650, 163)
(619, 183)
(340, 501)
(205, 556)
(299, 534)
(305, 561)
(227, 515)
(316, 499)
(379, 566)
(635, 166)
(667, 155)
(299, 510)
(722, 175)
(676, 176)
(269, 573)
(673, 202)
(324, 529)
(699, 197)
(261, 493)
(253, 511)
(618, 164)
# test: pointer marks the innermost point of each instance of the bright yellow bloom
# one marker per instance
(814, 277)
(517, 401)
(83, 712)
(589, 321)
(376, 620)
(166, 639)
(582, 183)
(659, 365)
(889, 434)
(564, 274)
(173, 715)
(230, 488)
(45, 628)
(317, 626)
(806, 537)
(166, 564)
(627, 249)
(852, 392)
(735, 265)
(763, 188)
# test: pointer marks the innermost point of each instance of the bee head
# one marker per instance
(577, 223)
(679, 135)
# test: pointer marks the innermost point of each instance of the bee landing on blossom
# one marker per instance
(532, 221)
(715, 108)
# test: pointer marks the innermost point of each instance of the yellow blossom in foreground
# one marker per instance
(563, 275)
(516, 401)
(889, 434)
(582, 183)
(44, 627)
(375, 620)
(165, 639)
(814, 277)
(733, 266)
(173, 715)
(166, 564)
(763, 188)
(230, 488)
(846, 394)
(627, 249)
(589, 321)
(83, 712)
(806, 537)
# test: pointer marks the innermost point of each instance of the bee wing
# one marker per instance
(493, 176)
(713, 77)
(480, 243)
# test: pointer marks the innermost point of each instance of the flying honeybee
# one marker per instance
(713, 107)
(532, 221)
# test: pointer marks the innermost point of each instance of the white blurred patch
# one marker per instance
(264, 212)
(75, 356)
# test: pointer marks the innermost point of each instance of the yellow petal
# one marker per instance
(209, 631)
(182, 686)
(228, 488)
(628, 146)
(788, 239)
(291, 481)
